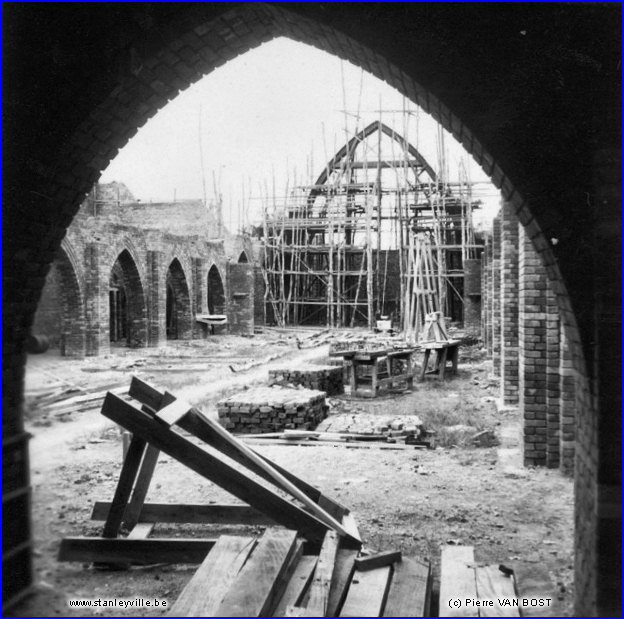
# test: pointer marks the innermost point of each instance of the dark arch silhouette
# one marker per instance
(178, 304)
(242, 259)
(126, 302)
(216, 291)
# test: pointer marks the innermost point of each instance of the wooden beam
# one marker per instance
(149, 396)
(192, 514)
(321, 583)
(297, 585)
(148, 465)
(127, 476)
(457, 581)
(205, 591)
(381, 559)
(213, 434)
(137, 551)
(367, 594)
(492, 586)
(410, 589)
(260, 583)
(141, 531)
(173, 412)
(344, 569)
(213, 467)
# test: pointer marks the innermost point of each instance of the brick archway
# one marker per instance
(178, 316)
(132, 326)
(216, 291)
(63, 319)
(533, 94)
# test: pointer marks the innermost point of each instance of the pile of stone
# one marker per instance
(327, 378)
(272, 409)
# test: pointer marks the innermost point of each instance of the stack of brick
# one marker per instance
(327, 378)
(272, 409)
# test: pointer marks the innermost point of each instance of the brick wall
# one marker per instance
(553, 367)
(532, 350)
(495, 288)
(567, 405)
(105, 237)
(241, 300)
(472, 296)
(486, 303)
(509, 305)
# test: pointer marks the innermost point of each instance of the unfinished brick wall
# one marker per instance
(509, 305)
(75, 302)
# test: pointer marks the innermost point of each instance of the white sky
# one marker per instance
(269, 113)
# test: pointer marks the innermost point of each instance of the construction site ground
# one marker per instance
(410, 499)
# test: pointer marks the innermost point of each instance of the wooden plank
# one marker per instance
(141, 531)
(151, 397)
(410, 589)
(493, 587)
(349, 523)
(213, 467)
(533, 582)
(344, 568)
(381, 559)
(367, 593)
(137, 551)
(205, 591)
(260, 584)
(297, 585)
(457, 582)
(148, 465)
(172, 413)
(127, 476)
(321, 583)
(192, 514)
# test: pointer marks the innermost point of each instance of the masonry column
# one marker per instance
(496, 299)
(553, 352)
(567, 405)
(157, 299)
(532, 350)
(487, 296)
(96, 303)
(199, 294)
(509, 305)
(472, 296)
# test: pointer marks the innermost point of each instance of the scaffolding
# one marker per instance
(341, 251)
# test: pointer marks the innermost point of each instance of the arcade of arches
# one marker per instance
(531, 91)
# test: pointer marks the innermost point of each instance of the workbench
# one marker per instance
(381, 364)
(445, 352)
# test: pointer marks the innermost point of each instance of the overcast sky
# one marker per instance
(274, 112)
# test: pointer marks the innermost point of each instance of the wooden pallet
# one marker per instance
(245, 577)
